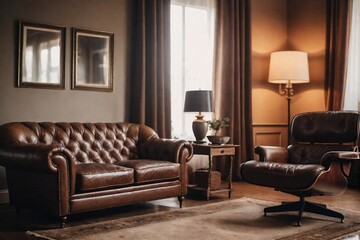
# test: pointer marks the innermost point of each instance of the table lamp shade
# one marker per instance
(198, 101)
(289, 67)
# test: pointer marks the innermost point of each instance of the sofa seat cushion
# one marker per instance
(146, 171)
(95, 176)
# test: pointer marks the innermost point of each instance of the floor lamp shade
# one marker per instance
(289, 67)
(199, 101)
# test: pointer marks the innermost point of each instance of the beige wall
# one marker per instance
(269, 34)
(285, 25)
(307, 32)
(29, 104)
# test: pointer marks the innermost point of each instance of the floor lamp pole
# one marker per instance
(287, 91)
(288, 117)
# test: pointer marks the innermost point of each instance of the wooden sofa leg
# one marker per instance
(63, 221)
(181, 199)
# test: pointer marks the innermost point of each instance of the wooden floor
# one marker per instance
(10, 228)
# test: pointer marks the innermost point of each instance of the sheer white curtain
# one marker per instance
(192, 43)
(352, 87)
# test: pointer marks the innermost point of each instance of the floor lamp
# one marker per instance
(288, 68)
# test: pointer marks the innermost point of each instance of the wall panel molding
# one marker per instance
(270, 134)
(268, 138)
(270, 124)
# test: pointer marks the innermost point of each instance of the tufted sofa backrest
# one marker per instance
(316, 133)
(88, 142)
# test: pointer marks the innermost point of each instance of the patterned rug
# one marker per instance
(233, 219)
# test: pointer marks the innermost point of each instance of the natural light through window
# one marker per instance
(352, 87)
(28, 63)
(192, 41)
(49, 61)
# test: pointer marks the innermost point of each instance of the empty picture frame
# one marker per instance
(41, 55)
(92, 60)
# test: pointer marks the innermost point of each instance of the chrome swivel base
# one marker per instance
(304, 206)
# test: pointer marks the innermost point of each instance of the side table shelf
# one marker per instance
(213, 151)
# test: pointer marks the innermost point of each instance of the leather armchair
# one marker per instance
(317, 163)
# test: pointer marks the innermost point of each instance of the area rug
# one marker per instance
(232, 219)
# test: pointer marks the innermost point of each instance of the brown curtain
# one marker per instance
(149, 83)
(337, 41)
(232, 83)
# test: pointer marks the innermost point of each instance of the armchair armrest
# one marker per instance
(34, 157)
(272, 154)
(339, 156)
(174, 150)
(340, 160)
(342, 155)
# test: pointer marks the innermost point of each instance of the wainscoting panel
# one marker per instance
(272, 134)
(268, 138)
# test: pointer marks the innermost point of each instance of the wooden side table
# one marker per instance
(212, 151)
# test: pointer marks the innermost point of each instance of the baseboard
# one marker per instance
(4, 196)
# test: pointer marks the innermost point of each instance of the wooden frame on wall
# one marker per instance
(92, 60)
(41, 55)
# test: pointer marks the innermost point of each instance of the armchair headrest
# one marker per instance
(326, 127)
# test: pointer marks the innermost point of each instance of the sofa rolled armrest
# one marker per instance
(34, 157)
(272, 154)
(44, 160)
(173, 150)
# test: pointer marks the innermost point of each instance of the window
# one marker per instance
(192, 41)
(352, 87)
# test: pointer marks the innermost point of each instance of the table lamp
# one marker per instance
(199, 101)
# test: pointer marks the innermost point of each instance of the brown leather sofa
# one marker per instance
(68, 168)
